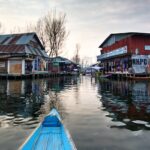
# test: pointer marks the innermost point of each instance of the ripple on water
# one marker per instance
(9, 117)
(10, 120)
(19, 116)
(2, 117)
(27, 119)
(137, 133)
(147, 125)
(10, 114)
(140, 122)
(32, 122)
(117, 124)
(5, 124)
(18, 121)
(126, 120)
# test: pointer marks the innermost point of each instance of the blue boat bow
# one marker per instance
(50, 135)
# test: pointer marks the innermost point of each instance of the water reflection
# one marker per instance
(127, 102)
(105, 112)
(25, 102)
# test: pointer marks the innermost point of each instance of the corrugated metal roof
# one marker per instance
(3, 38)
(24, 39)
(62, 59)
(20, 43)
(123, 34)
(11, 49)
(27, 50)
(44, 54)
(15, 39)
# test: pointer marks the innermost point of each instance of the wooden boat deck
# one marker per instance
(50, 138)
(49, 135)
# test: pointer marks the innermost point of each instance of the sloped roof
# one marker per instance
(60, 59)
(12, 48)
(20, 43)
(124, 35)
(16, 39)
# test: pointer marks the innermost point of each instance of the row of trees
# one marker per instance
(52, 32)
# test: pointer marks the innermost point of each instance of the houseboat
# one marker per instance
(63, 65)
(126, 53)
(22, 54)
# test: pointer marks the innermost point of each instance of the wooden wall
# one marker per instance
(3, 66)
(15, 67)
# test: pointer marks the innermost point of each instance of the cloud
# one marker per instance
(89, 22)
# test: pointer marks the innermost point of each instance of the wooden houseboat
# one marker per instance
(22, 54)
(127, 53)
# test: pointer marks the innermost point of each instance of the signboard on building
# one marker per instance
(139, 63)
(147, 47)
(116, 52)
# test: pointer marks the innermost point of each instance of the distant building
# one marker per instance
(126, 52)
(22, 54)
(60, 64)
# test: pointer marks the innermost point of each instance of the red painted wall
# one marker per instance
(133, 42)
(140, 42)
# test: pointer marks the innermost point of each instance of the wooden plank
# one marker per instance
(16, 67)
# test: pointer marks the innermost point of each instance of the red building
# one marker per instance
(126, 52)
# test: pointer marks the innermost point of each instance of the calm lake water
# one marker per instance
(100, 114)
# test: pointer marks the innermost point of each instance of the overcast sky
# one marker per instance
(88, 21)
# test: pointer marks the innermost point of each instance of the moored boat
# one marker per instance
(51, 134)
(138, 77)
(105, 76)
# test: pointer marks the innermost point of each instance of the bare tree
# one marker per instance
(51, 30)
(1, 28)
(40, 30)
(16, 29)
(85, 62)
(55, 30)
(76, 57)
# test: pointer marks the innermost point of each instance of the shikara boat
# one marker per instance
(51, 134)
(106, 76)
